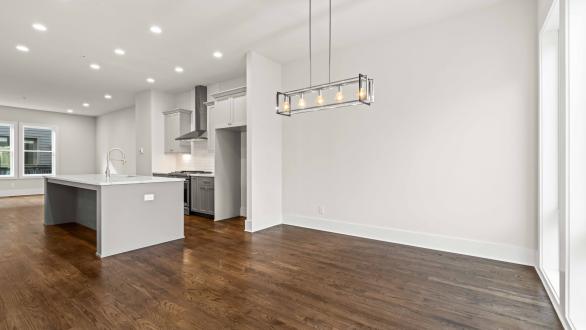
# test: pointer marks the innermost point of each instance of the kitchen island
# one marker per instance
(127, 212)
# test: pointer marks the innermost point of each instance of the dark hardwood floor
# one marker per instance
(221, 277)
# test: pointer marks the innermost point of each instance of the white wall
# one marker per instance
(116, 130)
(76, 145)
(263, 146)
(446, 157)
(142, 120)
(150, 128)
(162, 162)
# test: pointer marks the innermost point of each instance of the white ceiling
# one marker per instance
(55, 74)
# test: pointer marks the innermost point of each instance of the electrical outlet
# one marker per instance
(321, 210)
(149, 197)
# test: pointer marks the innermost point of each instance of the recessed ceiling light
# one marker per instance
(178, 69)
(22, 48)
(150, 80)
(70, 110)
(39, 27)
(218, 54)
(95, 66)
(86, 105)
(108, 96)
(156, 29)
(119, 51)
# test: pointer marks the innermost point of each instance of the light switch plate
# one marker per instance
(149, 197)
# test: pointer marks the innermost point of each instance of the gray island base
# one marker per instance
(127, 212)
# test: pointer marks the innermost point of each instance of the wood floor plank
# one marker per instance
(221, 277)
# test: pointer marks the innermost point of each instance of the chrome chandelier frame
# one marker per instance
(364, 94)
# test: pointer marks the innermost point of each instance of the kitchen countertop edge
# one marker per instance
(100, 180)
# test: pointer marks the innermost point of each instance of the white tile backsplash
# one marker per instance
(200, 159)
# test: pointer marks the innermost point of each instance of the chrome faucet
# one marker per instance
(123, 160)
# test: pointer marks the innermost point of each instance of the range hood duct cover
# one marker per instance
(201, 117)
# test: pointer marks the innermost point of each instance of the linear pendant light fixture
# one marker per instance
(333, 94)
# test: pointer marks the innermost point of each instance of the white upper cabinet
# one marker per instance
(177, 123)
(223, 113)
(230, 108)
(211, 127)
(239, 110)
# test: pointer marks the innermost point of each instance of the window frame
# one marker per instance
(53, 151)
(13, 141)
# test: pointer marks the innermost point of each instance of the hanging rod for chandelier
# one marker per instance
(358, 90)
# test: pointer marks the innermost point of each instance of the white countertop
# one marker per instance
(115, 179)
(209, 175)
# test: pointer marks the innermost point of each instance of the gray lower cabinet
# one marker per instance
(202, 195)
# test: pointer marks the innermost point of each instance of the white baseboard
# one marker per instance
(253, 227)
(248, 225)
(482, 249)
(21, 192)
(243, 211)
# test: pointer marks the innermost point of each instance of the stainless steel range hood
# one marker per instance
(201, 117)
